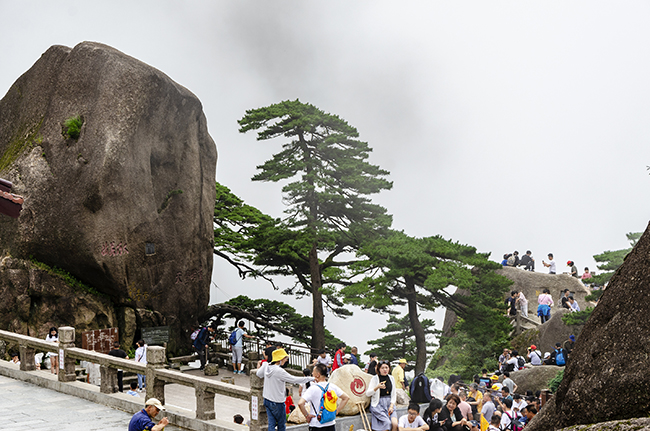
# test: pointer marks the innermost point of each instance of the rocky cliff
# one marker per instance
(117, 170)
(608, 375)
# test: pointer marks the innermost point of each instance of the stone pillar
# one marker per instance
(26, 358)
(259, 421)
(156, 358)
(66, 364)
(204, 404)
(108, 383)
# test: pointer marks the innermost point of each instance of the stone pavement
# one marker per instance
(24, 406)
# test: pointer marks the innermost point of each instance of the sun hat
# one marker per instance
(154, 402)
(278, 355)
(402, 361)
(494, 377)
(495, 387)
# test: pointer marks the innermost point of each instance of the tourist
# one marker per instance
(314, 394)
(484, 377)
(586, 275)
(275, 379)
(475, 399)
(118, 353)
(141, 356)
(527, 261)
(508, 415)
(515, 259)
(132, 391)
(509, 383)
(505, 395)
(503, 358)
(431, 415)
(238, 348)
(382, 391)
(488, 406)
(545, 302)
(338, 356)
(506, 256)
(518, 404)
(398, 374)
(522, 303)
(569, 344)
(550, 265)
(304, 386)
(371, 368)
(142, 420)
(53, 337)
(564, 300)
(574, 270)
(495, 423)
(534, 356)
(323, 358)
(464, 407)
(548, 359)
(511, 302)
(573, 304)
(451, 416)
(347, 358)
(354, 352)
(559, 355)
(201, 344)
(512, 364)
(531, 411)
(412, 419)
(269, 347)
(15, 358)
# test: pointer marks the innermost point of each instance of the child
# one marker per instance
(132, 391)
(288, 402)
(412, 420)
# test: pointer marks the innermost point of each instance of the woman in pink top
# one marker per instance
(545, 302)
(545, 298)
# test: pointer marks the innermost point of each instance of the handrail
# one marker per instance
(106, 360)
(214, 386)
(26, 340)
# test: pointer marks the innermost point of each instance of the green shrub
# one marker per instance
(578, 318)
(72, 127)
(594, 296)
(554, 383)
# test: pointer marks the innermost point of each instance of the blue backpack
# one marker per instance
(559, 358)
(327, 411)
(233, 338)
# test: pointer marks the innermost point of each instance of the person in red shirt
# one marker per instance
(338, 357)
(288, 403)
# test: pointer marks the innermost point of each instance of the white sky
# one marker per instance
(505, 125)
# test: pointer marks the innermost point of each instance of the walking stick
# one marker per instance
(364, 417)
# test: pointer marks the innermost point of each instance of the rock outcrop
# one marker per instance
(117, 170)
(545, 336)
(534, 378)
(608, 375)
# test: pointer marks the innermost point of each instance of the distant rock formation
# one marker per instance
(117, 171)
(608, 375)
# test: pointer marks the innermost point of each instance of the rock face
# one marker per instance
(534, 378)
(545, 336)
(532, 284)
(353, 381)
(126, 207)
(608, 376)
(641, 424)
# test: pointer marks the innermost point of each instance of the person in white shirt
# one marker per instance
(312, 397)
(141, 356)
(552, 269)
(574, 304)
(508, 415)
(523, 303)
(412, 419)
(275, 377)
(534, 355)
(53, 337)
(323, 358)
(518, 404)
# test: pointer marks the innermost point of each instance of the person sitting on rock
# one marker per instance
(534, 355)
(512, 364)
(503, 358)
(548, 359)
(573, 304)
(569, 344)
(527, 261)
(431, 415)
(586, 275)
(559, 355)
(564, 301)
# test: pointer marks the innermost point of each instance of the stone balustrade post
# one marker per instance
(156, 358)
(259, 420)
(108, 383)
(66, 364)
(204, 403)
(26, 358)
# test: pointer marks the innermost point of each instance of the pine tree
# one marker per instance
(612, 260)
(328, 180)
(399, 341)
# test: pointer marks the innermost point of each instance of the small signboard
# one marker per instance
(99, 340)
(158, 335)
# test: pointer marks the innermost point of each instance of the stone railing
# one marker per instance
(156, 375)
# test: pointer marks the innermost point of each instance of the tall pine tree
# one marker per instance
(328, 181)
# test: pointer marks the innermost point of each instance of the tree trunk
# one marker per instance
(418, 330)
(318, 319)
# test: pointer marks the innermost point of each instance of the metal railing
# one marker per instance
(299, 356)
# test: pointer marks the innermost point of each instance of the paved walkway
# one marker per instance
(24, 406)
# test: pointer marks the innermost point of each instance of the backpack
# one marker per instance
(233, 338)
(327, 411)
(521, 362)
(419, 389)
(559, 358)
(509, 368)
(515, 424)
(195, 334)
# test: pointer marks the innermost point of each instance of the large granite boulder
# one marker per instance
(545, 336)
(640, 424)
(125, 205)
(353, 381)
(608, 376)
(534, 378)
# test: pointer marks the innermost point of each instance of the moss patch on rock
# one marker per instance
(25, 138)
